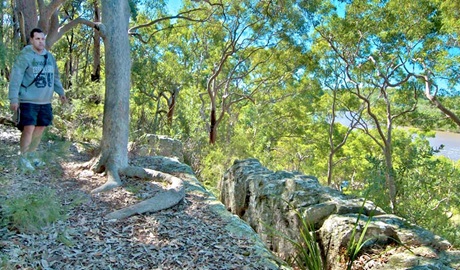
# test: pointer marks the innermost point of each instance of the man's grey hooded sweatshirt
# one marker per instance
(27, 66)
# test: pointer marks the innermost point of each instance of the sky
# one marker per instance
(174, 5)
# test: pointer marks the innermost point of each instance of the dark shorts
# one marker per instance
(35, 115)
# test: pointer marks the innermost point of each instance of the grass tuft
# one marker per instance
(31, 212)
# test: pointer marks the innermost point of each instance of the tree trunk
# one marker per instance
(213, 127)
(156, 119)
(96, 75)
(434, 100)
(69, 63)
(114, 150)
(330, 167)
(390, 178)
(47, 19)
(3, 67)
(172, 106)
(28, 18)
(330, 159)
(332, 147)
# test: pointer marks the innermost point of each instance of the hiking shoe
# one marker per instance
(25, 165)
(38, 162)
(35, 160)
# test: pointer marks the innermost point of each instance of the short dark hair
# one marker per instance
(35, 30)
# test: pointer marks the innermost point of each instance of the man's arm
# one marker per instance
(58, 88)
(17, 75)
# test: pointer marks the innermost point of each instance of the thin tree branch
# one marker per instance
(178, 16)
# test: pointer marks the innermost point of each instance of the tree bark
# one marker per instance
(69, 67)
(390, 178)
(4, 72)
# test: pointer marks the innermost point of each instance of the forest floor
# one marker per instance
(187, 236)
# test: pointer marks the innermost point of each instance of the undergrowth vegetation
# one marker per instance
(26, 205)
(30, 212)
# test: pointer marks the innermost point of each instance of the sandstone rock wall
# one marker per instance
(272, 201)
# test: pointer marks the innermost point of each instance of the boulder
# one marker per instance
(157, 145)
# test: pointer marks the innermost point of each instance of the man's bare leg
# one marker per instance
(26, 138)
(36, 138)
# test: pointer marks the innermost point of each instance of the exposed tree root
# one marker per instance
(162, 200)
(172, 195)
(113, 178)
(113, 181)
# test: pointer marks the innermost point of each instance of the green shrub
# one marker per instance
(30, 212)
(432, 183)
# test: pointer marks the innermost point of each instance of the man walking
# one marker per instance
(34, 79)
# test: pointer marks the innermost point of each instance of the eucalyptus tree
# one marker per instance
(338, 138)
(336, 104)
(163, 64)
(59, 19)
(49, 16)
(96, 70)
(392, 53)
(438, 64)
(231, 44)
(113, 158)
